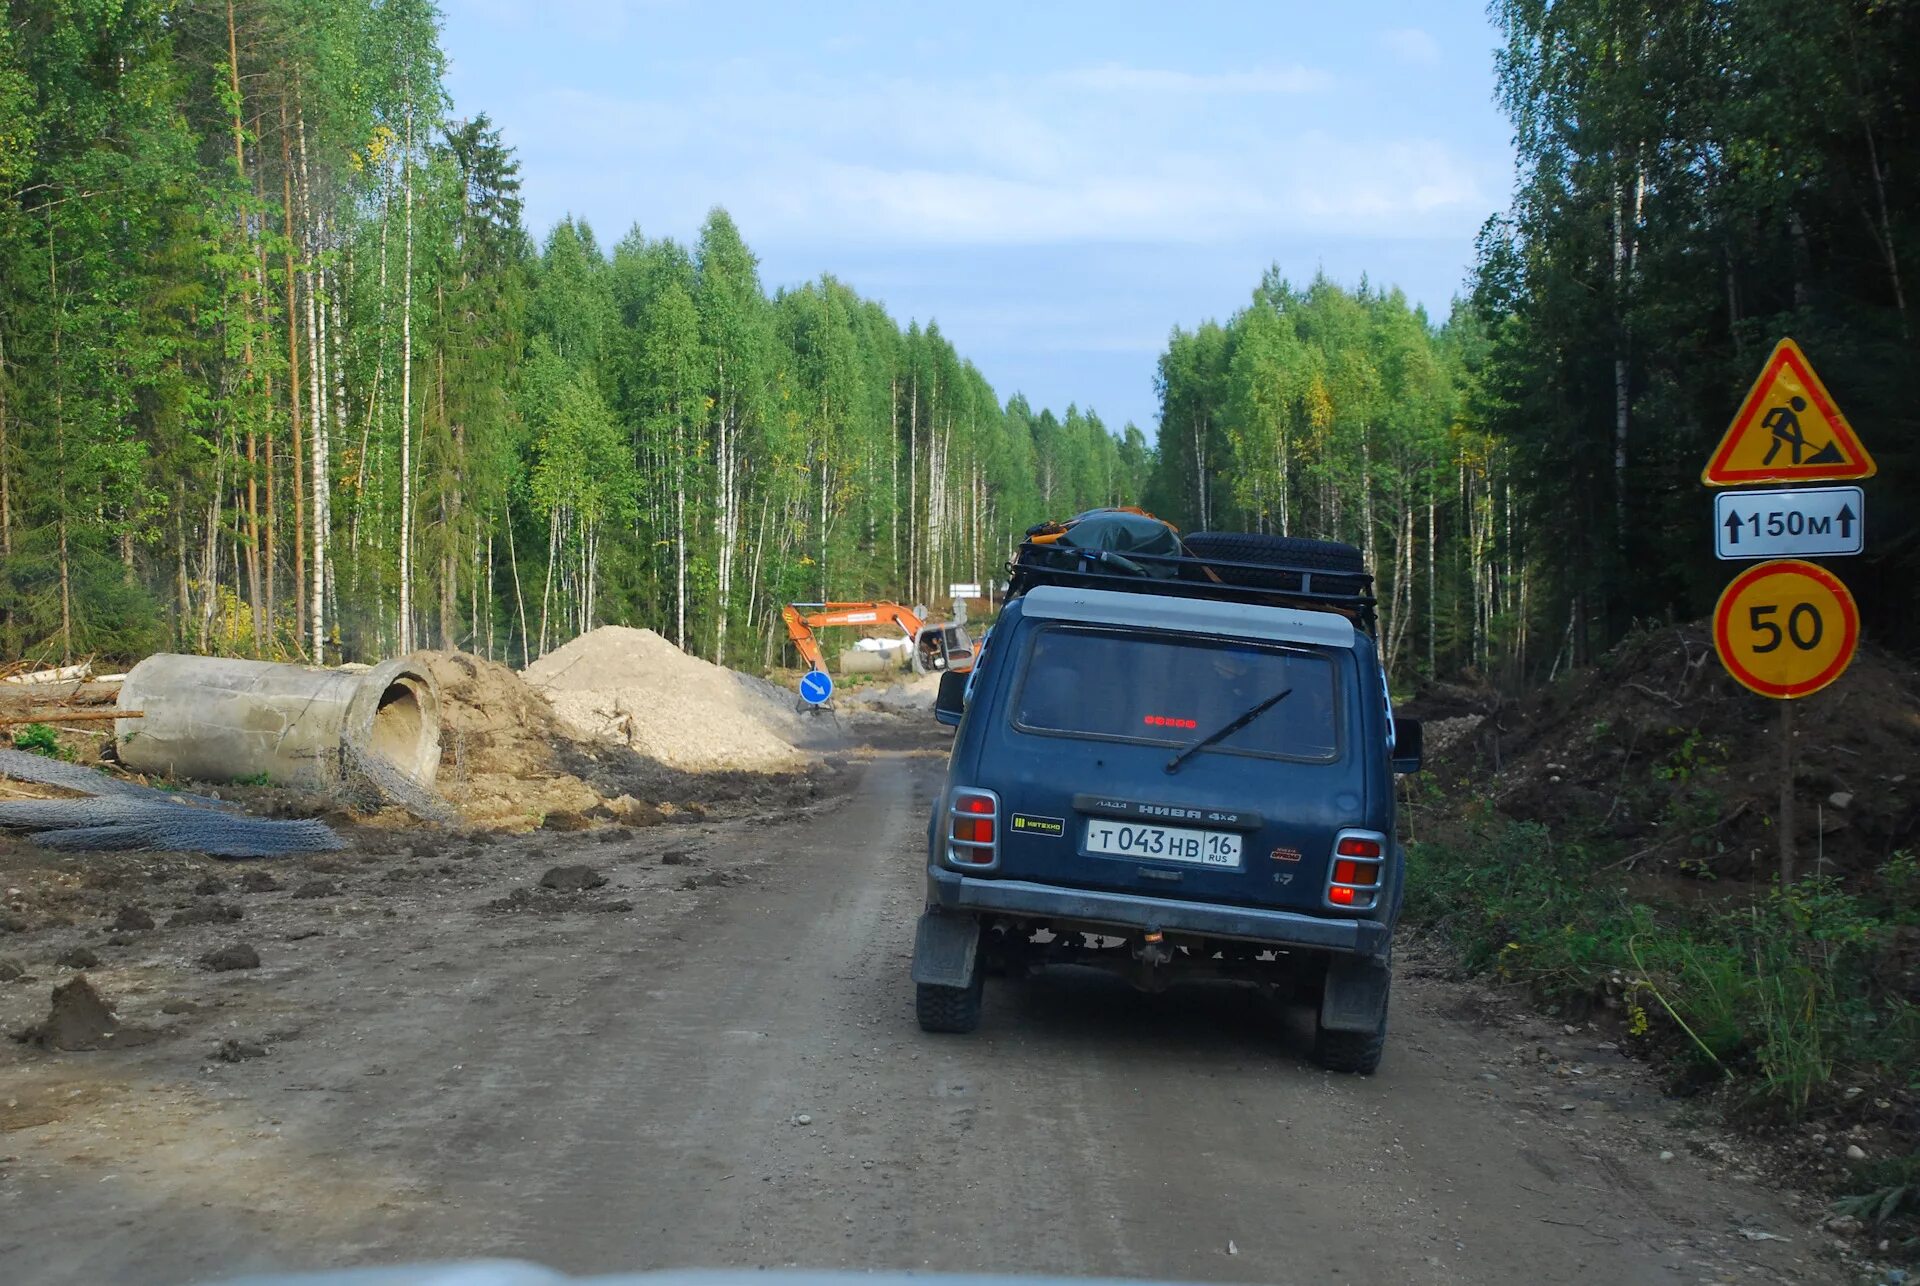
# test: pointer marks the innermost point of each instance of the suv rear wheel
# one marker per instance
(950, 1009)
(1356, 1052)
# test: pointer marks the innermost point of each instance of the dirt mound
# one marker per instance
(1658, 753)
(79, 1019)
(490, 720)
(634, 688)
(503, 754)
(510, 761)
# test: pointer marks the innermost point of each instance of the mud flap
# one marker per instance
(1356, 995)
(945, 949)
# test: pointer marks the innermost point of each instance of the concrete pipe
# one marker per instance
(860, 661)
(216, 719)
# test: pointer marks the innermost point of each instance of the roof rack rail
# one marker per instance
(1263, 584)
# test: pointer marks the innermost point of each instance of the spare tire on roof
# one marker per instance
(1297, 553)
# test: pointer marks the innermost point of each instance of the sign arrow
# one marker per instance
(1845, 519)
(1732, 524)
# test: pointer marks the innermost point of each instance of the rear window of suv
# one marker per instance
(1170, 690)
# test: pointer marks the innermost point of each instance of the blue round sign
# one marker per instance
(815, 687)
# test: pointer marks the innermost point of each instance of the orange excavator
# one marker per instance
(934, 645)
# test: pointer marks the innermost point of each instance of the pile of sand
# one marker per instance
(635, 688)
(614, 715)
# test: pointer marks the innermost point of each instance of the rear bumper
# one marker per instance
(953, 891)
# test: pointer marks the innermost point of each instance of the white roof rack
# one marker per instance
(1188, 615)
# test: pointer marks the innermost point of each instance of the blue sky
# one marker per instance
(1056, 184)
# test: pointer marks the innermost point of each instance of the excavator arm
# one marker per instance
(803, 641)
(802, 619)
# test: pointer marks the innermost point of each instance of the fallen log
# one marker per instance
(70, 716)
(65, 674)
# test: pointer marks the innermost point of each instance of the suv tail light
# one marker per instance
(973, 828)
(1359, 858)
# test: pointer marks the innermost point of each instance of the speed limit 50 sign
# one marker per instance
(1786, 628)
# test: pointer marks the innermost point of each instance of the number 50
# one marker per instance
(1806, 641)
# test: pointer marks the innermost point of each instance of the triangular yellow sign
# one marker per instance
(1788, 430)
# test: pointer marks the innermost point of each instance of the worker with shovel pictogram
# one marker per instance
(1787, 430)
(1784, 423)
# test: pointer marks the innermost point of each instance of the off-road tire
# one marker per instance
(1295, 552)
(950, 1009)
(1355, 1052)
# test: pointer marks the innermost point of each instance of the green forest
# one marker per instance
(1695, 180)
(284, 373)
(1342, 415)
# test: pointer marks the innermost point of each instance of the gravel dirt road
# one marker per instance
(729, 1074)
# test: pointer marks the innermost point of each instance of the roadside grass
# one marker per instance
(40, 739)
(1884, 1191)
(1778, 1002)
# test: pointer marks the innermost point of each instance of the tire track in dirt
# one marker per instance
(1085, 1128)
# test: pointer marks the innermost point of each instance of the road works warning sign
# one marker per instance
(1786, 629)
(1788, 430)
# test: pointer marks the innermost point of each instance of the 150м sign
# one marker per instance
(1776, 524)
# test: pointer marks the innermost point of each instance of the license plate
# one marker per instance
(1163, 843)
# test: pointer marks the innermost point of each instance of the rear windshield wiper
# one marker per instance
(1173, 764)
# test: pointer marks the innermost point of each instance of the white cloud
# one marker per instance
(996, 160)
(1412, 45)
(1121, 79)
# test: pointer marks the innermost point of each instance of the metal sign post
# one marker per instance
(1787, 628)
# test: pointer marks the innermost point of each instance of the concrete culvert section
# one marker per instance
(405, 726)
(219, 719)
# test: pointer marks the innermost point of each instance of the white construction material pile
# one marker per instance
(634, 687)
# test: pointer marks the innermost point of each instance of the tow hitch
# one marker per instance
(1151, 954)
